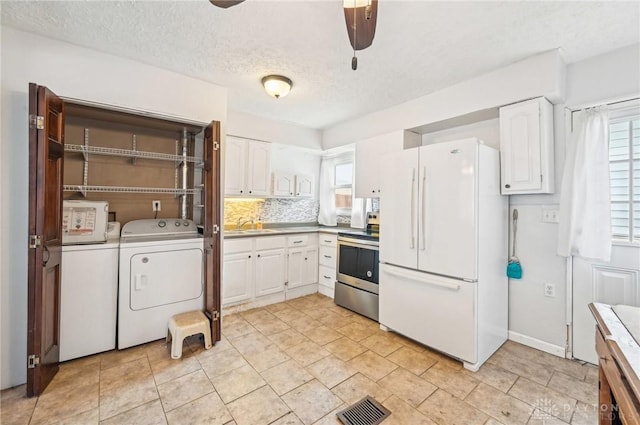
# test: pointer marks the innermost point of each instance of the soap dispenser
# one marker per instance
(259, 224)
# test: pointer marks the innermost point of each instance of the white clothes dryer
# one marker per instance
(161, 274)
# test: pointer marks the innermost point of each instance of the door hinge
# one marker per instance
(215, 316)
(36, 121)
(35, 241)
(33, 361)
(216, 146)
(216, 229)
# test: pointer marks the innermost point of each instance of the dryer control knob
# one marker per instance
(177, 224)
(185, 223)
(162, 223)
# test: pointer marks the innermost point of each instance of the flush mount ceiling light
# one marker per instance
(361, 17)
(225, 3)
(277, 85)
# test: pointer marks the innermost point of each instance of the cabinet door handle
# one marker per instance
(327, 256)
(327, 241)
(297, 241)
(373, 191)
(507, 186)
(327, 277)
(249, 256)
(241, 191)
(250, 191)
(305, 258)
(258, 255)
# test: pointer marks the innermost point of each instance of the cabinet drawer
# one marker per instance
(232, 246)
(328, 256)
(327, 276)
(303, 239)
(270, 242)
(328, 239)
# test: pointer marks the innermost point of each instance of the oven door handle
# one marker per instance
(413, 208)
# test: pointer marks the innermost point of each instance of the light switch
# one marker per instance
(550, 215)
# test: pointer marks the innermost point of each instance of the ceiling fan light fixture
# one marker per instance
(277, 85)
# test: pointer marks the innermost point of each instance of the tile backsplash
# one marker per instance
(276, 210)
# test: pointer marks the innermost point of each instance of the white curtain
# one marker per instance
(327, 212)
(585, 210)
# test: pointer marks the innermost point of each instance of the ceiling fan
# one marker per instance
(360, 17)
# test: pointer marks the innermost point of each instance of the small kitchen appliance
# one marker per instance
(84, 222)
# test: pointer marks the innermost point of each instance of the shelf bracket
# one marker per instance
(134, 149)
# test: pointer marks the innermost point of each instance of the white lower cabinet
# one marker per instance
(238, 271)
(270, 265)
(328, 263)
(302, 260)
(264, 269)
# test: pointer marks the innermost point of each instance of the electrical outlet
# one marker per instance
(156, 206)
(549, 290)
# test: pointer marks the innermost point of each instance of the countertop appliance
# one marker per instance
(443, 249)
(89, 296)
(161, 274)
(358, 265)
(84, 222)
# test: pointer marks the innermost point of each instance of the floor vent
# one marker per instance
(365, 412)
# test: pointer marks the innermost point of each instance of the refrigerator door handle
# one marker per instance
(424, 209)
(416, 278)
(413, 207)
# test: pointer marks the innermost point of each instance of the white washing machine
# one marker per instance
(161, 274)
(89, 296)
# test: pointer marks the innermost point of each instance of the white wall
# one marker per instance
(541, 75)
(73, 72)
(258, 128)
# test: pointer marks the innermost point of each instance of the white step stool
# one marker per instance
(186, 324)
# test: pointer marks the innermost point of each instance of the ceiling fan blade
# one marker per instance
(365, 28)
(225, 3)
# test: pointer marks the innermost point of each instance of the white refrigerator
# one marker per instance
(443, 249)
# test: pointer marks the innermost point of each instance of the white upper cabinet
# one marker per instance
(283, 184)
(235, 166)
(526, 147)
(304, 185)
(370, 159)
(247, 167)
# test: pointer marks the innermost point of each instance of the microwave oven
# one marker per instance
(84, 222)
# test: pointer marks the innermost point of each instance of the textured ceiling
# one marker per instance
(419, 47)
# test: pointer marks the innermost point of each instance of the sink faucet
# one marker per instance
(242, 223)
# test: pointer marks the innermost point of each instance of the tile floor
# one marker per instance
(300, 362)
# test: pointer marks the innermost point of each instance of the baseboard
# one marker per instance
(556, 350)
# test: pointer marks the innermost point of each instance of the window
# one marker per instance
(343, 187)
(624, 163)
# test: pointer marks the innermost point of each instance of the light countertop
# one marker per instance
(273, 231)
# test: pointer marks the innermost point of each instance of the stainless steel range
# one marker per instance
(357, 285)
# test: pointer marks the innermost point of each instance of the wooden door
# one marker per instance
(212, 235)
(46, 153)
